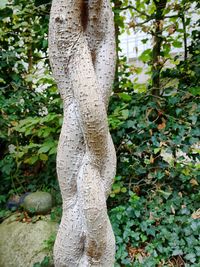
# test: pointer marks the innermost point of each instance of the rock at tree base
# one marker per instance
(38, 203)
(22, 244)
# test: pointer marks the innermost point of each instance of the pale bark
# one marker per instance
(82, 57)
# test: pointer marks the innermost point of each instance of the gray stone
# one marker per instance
(22, 244)
(38, 203)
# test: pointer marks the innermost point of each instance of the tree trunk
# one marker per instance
(158, 40)
(82, 57)
(117, 6)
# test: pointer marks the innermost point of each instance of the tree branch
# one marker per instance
(137, 10)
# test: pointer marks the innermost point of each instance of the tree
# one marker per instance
(82, 56)
(167, 23)
(156, 137)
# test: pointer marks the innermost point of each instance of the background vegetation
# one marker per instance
(154, 201)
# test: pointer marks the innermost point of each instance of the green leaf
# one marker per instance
(125, 113)
(130, 124)
(156, 150)
(177, 44)
(45, 262)
(47, 146)
(125, 97)
(191, 257)
(194, 91)
(43, 157)
(44, 149)
(31, 160)
(124, 190)
(53, 150)
(146, 55)
(177, 252)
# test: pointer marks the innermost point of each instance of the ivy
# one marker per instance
(151, 231)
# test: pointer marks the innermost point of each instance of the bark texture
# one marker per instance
(82, 57)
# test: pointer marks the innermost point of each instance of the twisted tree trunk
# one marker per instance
(82, 56)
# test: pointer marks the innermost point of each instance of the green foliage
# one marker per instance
(44, 263)
(166, 23)
(188, 71)
(48, 247)
(157, 229)
(154, 140)
(50, 242)
(31, 114)
(157, 144)
(156, 190)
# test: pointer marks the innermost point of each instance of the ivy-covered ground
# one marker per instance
(154, 203)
